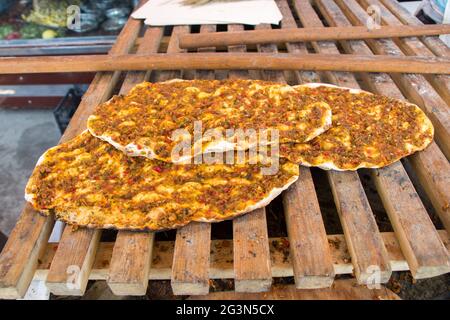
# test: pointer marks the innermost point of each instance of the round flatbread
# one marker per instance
(87, 182)
(368, 130)
(211, 113)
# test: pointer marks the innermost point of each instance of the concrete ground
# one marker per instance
(24, 136)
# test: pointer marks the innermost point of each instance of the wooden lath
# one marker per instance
(399, 197)
(275, 36)
(415, 87)
(77, 248)
(309, 249)
(357, 220)
(192, 245)
(250, 257)
(32, 231)
(430, 165)
(221, 266)
(130, 261)
(412, 46)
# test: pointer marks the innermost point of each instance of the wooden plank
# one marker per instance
(366, 247)
(19, 257)
(435, 182)
(252, 266)
(252, 271)
(438, 47)
(426, 255)
(192, 245)
(69, 271)
(191, 260)
(130, 262)
(414, 86)
(413, 46)
(172, 47)
(73, 260)
(431, 166)
(288, 22)
(237, 74)
(206, 74)
(413, 226)
(309, 248)
(222, 257)
(433, 171)
(251, 247)
(341, 290)
(225, 61)
(310, 252)
(255, 37)
(435, 44)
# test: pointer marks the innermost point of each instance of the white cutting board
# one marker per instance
(173, 12)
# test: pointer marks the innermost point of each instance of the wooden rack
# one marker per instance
(248, 255)
(226, 61)
(218, 39)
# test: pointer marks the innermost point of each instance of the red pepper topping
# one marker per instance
(158, 169)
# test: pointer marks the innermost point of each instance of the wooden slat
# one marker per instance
(237, 74)
(431, 165)
(413, 46)
(310, 252)
(76, 252)
(225, 61)
(433, 170)
(252, 271)
(19, 257)
(192, 245)
(191, 260)
(434, 43)
(426, 255)
(252, 250)
(412, 225)
(364, 241)
(222, 258)
(367, 249)
(414, 86)
(255, 37)
(206, 74)
(342, 290)
(428, 161)
(309, 248)
(252, 267)
(130, 262)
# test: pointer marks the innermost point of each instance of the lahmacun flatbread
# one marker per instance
(368, 130)
(87, 182)
(142, 122)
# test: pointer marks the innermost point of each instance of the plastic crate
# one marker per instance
(67, 107)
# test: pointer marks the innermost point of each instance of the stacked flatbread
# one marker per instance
(368, 131)
(142, 123)
(121, 173)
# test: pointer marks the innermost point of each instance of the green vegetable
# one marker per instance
(5, 30)
(31, 31)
